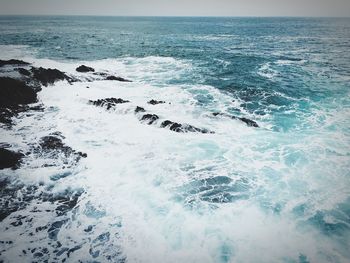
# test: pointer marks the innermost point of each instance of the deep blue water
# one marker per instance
(281, 190)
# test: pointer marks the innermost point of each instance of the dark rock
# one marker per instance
(249, 122)
(49, 76)
(54, 148)
(41, 228)
(24, 71)
(102, 74)
(177, 127)
(88, 229)
(117, 78)
(51, 143)
(84, 68)
(6, 115)
(38, 255)
(154, 102)
(108, 102)
(14, 92)
(149, 118)
(10, 159)
(13, 62)
(139, 109)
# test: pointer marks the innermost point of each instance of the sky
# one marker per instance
(178, 7)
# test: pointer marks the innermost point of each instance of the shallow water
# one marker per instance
(277, 193)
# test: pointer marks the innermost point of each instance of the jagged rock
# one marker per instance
(154, 102)
(84, 69)
(10, 159)
(24, 71)
(117, 78)
(13, 62)
(249, 122)
(139, 109)
(14, 95)
(49, 76)
(177, 127)
(108, 102)
(149, 118)
(55, 143)
(14, 92)
(173, 126)
(53, 147)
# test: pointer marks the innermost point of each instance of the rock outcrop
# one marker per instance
(13, 62)
(10, 159)
(84, 69)
(108, 103)
(249, 122)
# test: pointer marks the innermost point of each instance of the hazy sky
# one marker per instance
(179, 7)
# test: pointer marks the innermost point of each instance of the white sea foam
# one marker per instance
(267, 71)
(135, 172)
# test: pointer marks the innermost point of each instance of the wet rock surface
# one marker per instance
(10, 159)
(117, 79)
(53, 148)
(14, 96)
(84, 69)
(49, 76)
(177, 127)
(24, 71)
(149, 118)
(247, 121)
(14, 92)
(108, 103)
(139, 109)
(13, 62)
(155, 102)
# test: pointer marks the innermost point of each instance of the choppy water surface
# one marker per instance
(277, 193)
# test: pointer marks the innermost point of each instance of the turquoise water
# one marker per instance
(278, 193)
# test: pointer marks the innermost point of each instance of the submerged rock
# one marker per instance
(177, 127)
(108, 102)
(13, 62)
(218, 189)
(249, 122)
(84, 69)
(155, 102)
(10, 159)
(117, 78)
(49, 76)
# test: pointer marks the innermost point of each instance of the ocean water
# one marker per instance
(277, 193)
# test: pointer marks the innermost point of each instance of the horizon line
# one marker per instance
(178, 16)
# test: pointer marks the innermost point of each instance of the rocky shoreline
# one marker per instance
(20, 83)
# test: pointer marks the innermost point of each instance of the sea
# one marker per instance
(279, 192)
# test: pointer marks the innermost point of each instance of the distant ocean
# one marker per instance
(279, 192)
